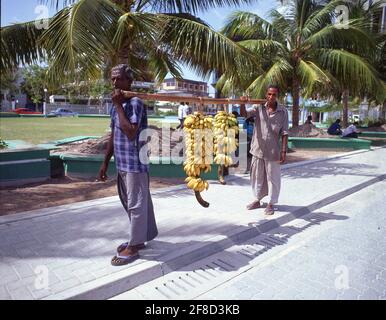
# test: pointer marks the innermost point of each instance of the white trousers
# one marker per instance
(265, 179)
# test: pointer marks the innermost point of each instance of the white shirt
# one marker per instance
(350, 129)
(182, 111)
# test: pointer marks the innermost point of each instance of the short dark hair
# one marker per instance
(123, 69)
(273, 86)
(337, 120)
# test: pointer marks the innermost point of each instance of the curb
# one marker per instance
(117, 283)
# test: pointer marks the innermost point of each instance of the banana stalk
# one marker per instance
(225, 129)
(197, 145)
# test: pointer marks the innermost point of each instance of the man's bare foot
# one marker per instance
(125, 244)
(129, 251)
(269, 209)
(254, 205)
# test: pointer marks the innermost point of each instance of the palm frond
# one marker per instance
(277, 74)
(282, 22)
(192, 6)
(134, 26)
(74, 40)
(201, 48)
(247, 25)
(355, 38)
(20, 45)
(320, 18)
(311, 77)
(161, 63)
(353, 71)
(266, 47)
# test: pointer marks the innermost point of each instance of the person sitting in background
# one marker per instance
(309, 120)
(351, 131)
(335, 129)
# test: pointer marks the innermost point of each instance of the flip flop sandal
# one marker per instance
(254, 205)
(269, 211)
(123, 260)
(124, 245)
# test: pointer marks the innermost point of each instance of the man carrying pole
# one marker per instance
(128, 119)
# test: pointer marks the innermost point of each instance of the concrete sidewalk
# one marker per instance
(64, 252)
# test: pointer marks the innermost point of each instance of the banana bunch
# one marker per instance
(199, 149)
(225, 130)
(197, 184)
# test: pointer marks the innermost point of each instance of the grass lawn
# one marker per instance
(42, 130)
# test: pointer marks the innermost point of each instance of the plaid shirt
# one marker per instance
(126, 152)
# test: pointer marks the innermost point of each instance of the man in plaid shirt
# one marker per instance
(128, 120)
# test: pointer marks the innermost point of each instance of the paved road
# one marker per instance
(338, 252)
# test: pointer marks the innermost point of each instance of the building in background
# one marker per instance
(184, 87)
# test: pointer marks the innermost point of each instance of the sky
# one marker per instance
(14, 11)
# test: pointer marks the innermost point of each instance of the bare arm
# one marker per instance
(243, 111)
(110, 148)
(284, 139)
(109, 153)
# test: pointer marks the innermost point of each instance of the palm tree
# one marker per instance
(86, 37)
(302, 50)
(369, 15)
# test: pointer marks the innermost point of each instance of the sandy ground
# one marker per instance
(65, 190)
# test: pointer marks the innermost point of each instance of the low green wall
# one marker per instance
(88, 166)
(9, 115)
(74, 139)
(373, 134)
(93, 116)
(32, 116)
(20, 166)
(320, 143)
(24, 154)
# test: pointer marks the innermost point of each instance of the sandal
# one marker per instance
(124, 245)
(269, 211)
(254, 205)
(123, 260)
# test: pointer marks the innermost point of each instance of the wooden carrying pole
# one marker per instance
(199, 100)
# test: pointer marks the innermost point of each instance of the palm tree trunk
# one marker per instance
(295, 103)
(345, 108)
(123, 53)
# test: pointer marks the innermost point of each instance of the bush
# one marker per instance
(3, 145)
(376, 123)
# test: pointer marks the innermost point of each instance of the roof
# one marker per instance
(186, 80)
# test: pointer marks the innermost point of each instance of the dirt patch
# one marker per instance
(157, 138)
(66, 190)
(308, 131)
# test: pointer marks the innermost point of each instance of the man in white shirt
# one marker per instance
(351, 131)
(182, 113)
